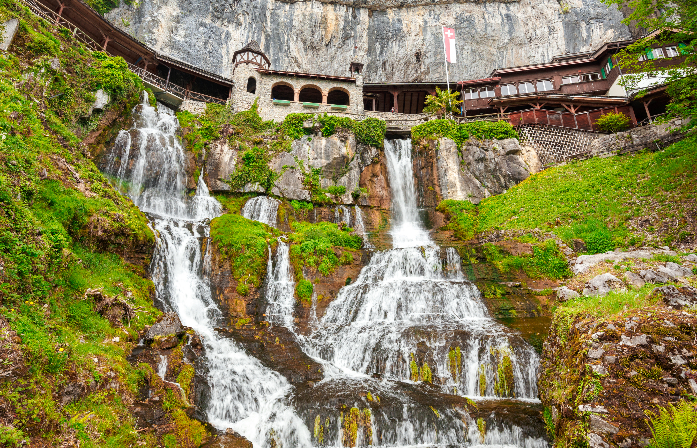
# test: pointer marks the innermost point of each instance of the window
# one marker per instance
(586, 77)
(471, 94)
(526, 87)
(608, 66)
(251, 85)
(570, 79)
(642, 57)
(487, 92)
(544, 85)
(658, 53)
(672, 51)
(508, 89)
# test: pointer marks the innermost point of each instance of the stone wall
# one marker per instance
(195, 107)
(652, 137)
(242, 99)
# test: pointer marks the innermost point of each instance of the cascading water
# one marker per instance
(148, 161)
(404, 298)
(263, 209)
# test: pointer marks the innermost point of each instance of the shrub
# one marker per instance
(460, 133)
(304, 288)
(613, 122)
(673, 427)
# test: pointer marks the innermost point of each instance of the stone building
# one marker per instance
(280, 93)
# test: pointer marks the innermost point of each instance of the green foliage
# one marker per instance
(369, 131)
(301, 205)
(304, 288)
(426, 374)
(10, 436)
(614, 302)
(549, 423)
(114, 77)
(104, 6)
(613, 122)
(549, 261)
(314, 246)
(245, 244)
(503, 386)
(460, 133)
(592, 200)
(673, 427)
(546, 261)
(254, 169)
(336, 190)
(443, 103)
(666, 22)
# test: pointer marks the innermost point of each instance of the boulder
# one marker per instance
(634, 280)
(228, 440)
(675, 270)
(674, 297)
(692, 258)
(112, 308)
(220, 164)
(602, 284)
(9, 31)
(598, 425)
(168, 324)
(650, 276)
(564, 294)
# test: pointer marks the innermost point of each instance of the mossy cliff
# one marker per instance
(74, 253)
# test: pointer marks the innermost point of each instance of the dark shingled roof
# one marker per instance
(252, 46)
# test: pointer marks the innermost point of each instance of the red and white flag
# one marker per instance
(449, 42)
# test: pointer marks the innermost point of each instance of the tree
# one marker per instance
(667, 21)
(443, 103)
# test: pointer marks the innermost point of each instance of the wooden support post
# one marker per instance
(632, 115)
(60, 12)
(395, 96)
(106, 41)
(646, 108)
(373, 104)
(296, 95)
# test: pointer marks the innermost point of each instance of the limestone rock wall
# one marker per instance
(396, 42)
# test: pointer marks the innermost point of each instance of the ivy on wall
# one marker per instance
(370, 131)
(460, 133)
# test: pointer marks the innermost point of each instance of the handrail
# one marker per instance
(58, 21)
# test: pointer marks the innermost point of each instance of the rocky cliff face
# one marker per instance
(396, 42)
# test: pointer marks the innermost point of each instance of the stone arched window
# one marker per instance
(282, 91)
(310, 94)
(252, 85)
(338, 96)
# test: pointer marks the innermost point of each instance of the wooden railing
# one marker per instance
(58, 21)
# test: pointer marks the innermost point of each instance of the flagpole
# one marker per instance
(445, 55)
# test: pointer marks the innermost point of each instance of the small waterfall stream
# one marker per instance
(408, 302)
(149, 160)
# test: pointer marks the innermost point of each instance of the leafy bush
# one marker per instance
(462, 215)
(336, 190)
(304, 288)
(254, 169)
(443, 103)
(460, 133)
(9, 436)
(370, 131)
(42, 44)
(613, 122)
(673, 427)
(549, 262)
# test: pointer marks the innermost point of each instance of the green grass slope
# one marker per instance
(633, 200)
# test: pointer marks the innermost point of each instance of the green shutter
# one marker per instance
(681, 48)
(649, 53)
(602, 72)
(609, 63)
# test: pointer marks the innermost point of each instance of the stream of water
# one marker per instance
(408, 306)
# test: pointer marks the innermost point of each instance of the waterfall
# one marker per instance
(407, 298)
(280, 288)
(360, 228)
(263, 209)
(148, 162)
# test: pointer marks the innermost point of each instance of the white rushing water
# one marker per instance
(263, 209)
(149, 161)
(405, 298)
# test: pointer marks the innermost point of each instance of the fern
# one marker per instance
(673, 427)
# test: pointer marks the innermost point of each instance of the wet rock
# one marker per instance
(564, 294)
(112, 308)
(674, 297)
(228, 440)
(598, 425)
(169, 324)
(220, 164)
(602, 284)
(634, 280)
(579, 245)
(592, 408)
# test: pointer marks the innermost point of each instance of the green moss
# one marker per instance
(304, 289)
(369, 131)
(314, 246)
(504, 383)
(426, 374)
(186, 375)
(481, 426)
(414, 369)
(482, 380)
(245, 244)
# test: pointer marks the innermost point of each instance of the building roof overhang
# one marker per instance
(484, 81)
(557, 99)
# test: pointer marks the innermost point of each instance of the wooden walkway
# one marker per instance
(150, 79)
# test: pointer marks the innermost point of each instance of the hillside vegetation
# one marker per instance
(74, 292)
(647, 199)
